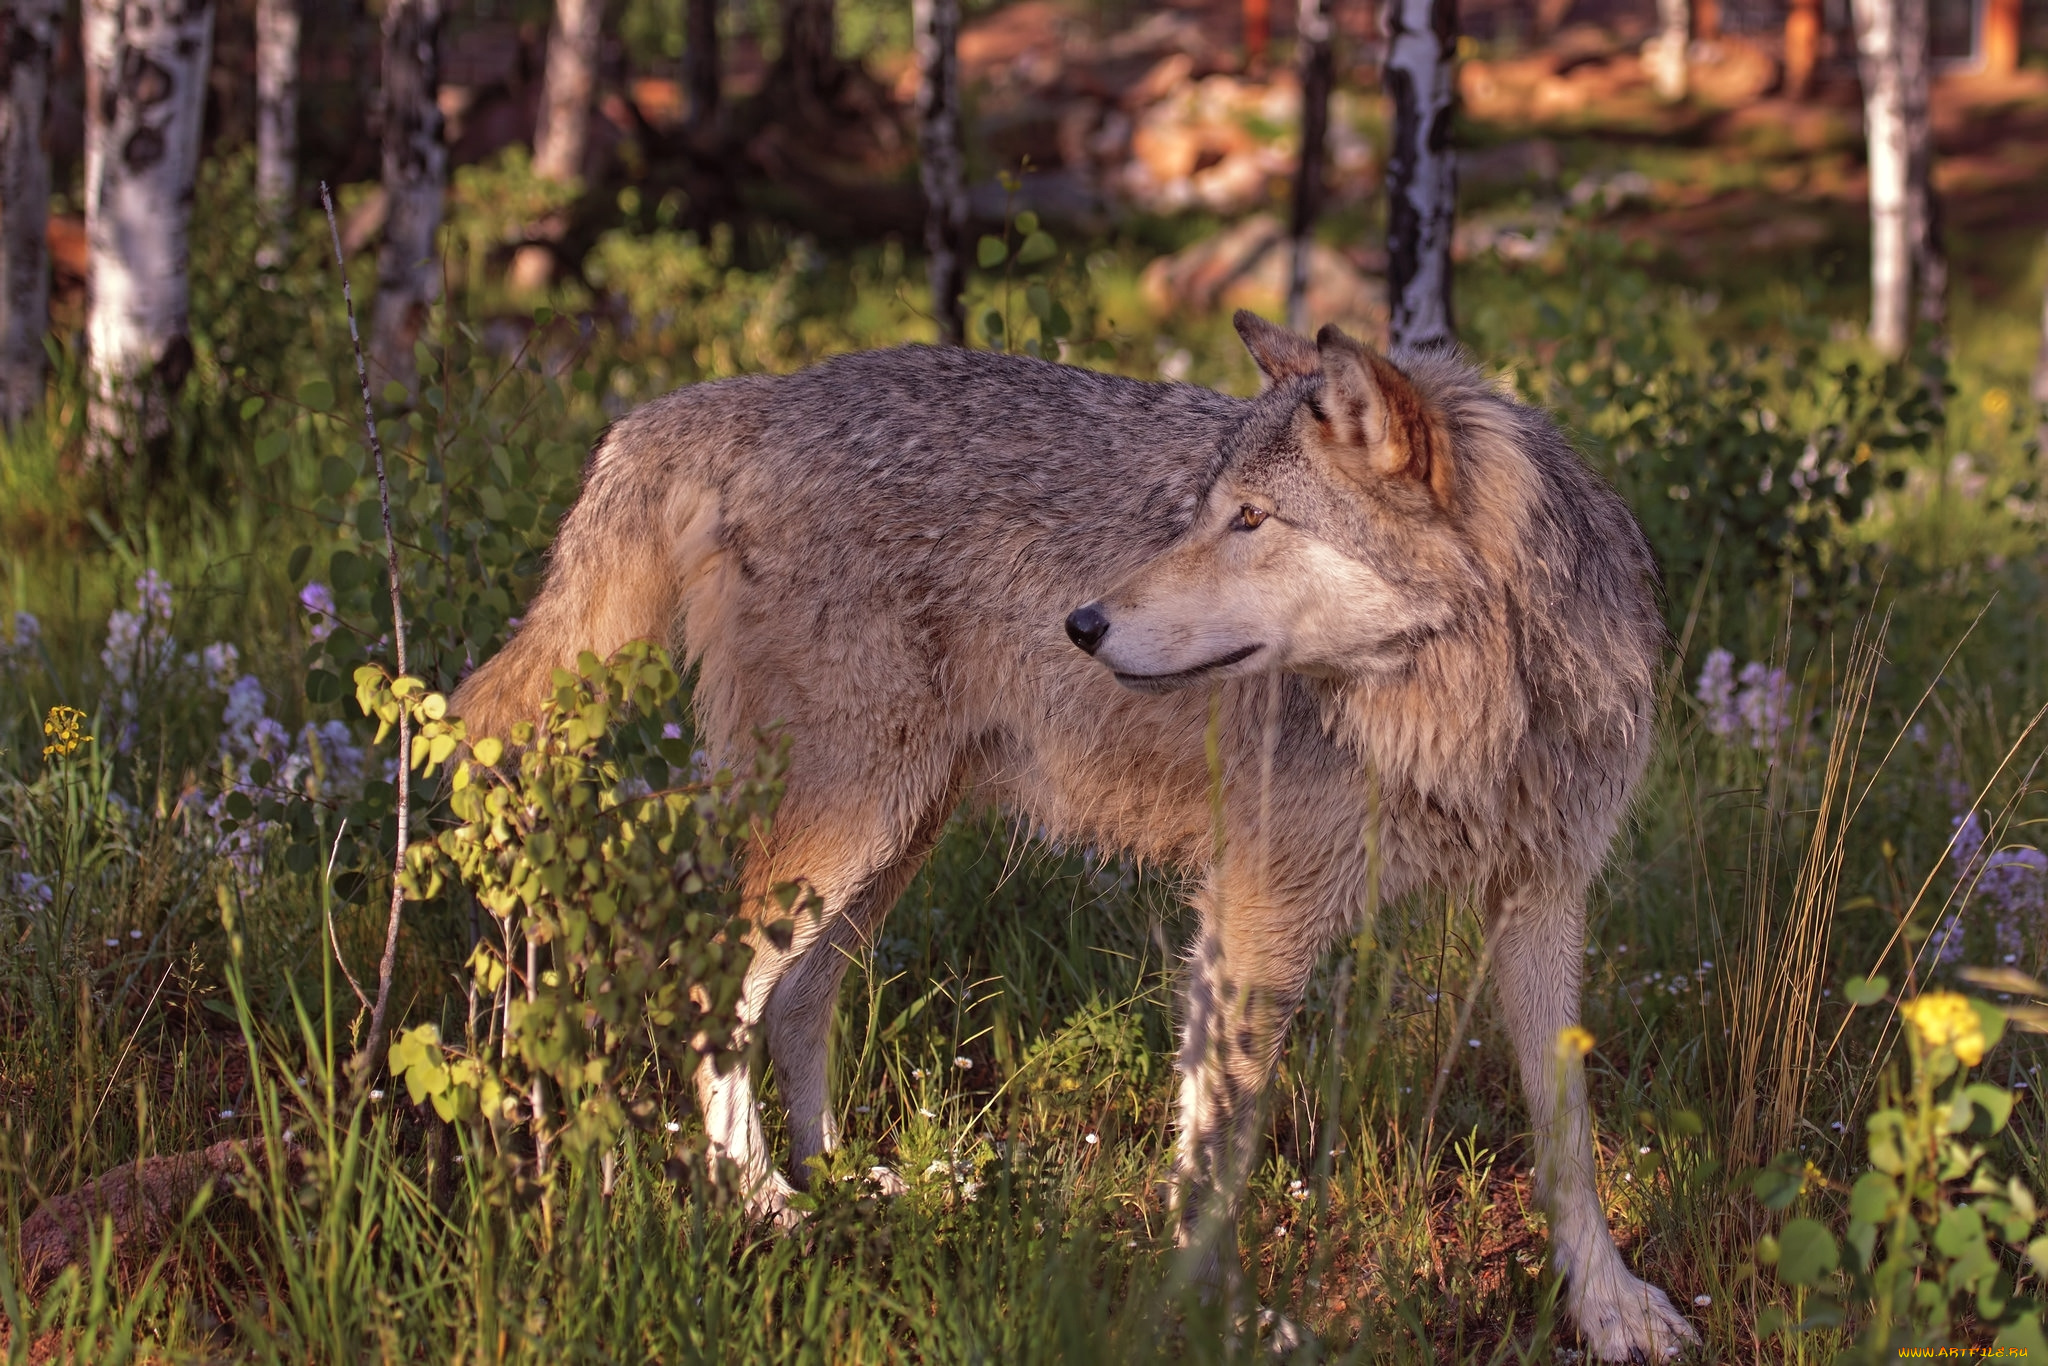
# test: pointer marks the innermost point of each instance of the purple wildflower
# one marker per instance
(318, 601)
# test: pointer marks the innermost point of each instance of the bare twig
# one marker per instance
(386, 967)
(327, 908)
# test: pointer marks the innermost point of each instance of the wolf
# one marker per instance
(1423, 634)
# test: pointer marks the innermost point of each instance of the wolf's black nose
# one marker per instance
(1087, 626)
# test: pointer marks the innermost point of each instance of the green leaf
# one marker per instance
(1778, 1185)
(1039, 301)
(1688, 1122)
(1994, 1101)
(1038, 247)
(337, 476)
(323, 687)
(992, 323)
(251, 406)
(543, 315)
(239, 806)
(396, 395)
(1871, 1197)
(1866, 991)
(2024, 1333)
(270, 446)
(346, 570)
(1027, 222)
(1991, 1019)
(317, 394)
(1961, 1229)
(1807, 1252)
(295, 568)
(990, 252)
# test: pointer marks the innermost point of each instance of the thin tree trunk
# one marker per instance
(1706, 18)
(28, 35)
(1258, 32)
(564, 129)
(1318, 72)
(145, 94)
(1923, 208)
(701, 63)
(1422, 173)
(2040, 388)
(810, 53)
(415, 183)
(2001, 45)
(571, 79)
(1667, 51)
(1802, 47)
(277, 123)
(936, 36)
(1889, 156)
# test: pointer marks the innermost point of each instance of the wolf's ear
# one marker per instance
(1375, 420)
(1282, 355)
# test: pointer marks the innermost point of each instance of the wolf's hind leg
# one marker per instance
(1538, 956)
(800, 1009)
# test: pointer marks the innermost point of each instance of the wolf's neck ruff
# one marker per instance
(895, 555)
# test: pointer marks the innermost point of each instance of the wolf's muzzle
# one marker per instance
(1086, 627)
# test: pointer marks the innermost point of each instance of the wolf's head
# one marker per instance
(1328, 545)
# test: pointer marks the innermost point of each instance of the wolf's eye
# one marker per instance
(1249, 516)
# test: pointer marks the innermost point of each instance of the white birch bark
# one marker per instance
(571, 79)
(28, 35)
(277, 123)
(1889, 157)
(935, 35)
(415, 185)
(1317, 68)
(145, 96)
(1665, 54)
(1422, 174)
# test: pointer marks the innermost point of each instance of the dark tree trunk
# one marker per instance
(810, 53)
(936, 35)
(1318, 72)
(701, 64)
(2040, 388)
(1422, 176)
(28, 35)
(1923, 208)
(415, 184)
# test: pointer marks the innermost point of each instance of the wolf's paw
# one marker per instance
(1624, 1319)
(887, 1182)
(769, 1203)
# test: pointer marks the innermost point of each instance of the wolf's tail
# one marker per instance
(639, 535)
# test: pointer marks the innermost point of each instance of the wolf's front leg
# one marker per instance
(1242, 989)
(1537, 965)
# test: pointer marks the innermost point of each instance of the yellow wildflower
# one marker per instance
(1946, 1019)
(1574, 1041)
(64, 727)
(1997, 403)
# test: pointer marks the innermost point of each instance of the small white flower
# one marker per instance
(289, 1136)
(963, 1062)
(1280, 1232)
(1703, 1300)
(376, 1095)
(1645, 1148)
(1091, 1139)
(135, 934)
(113, 943)
(917, 1073)
(227, 1114)
(860, 1109)
(673, 1127)
(1628, 1176)
(1130, 1242)
(1836, 1126)
(1472, 1043)
(1621, 948)
(926, 1113)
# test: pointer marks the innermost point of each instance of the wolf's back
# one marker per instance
(894, 484)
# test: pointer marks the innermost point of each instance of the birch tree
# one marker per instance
(1666, 53)
(28, 35)
(1422, 176)
(936, 36)
(701, 63)
(563, 132)
(1884, 131)
(1891, 59)
(415, 184)
(277, 122)
(146, 63)
(1318, 72)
